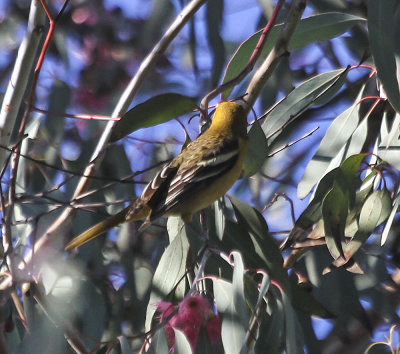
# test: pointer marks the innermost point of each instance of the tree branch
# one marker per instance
(270, 63)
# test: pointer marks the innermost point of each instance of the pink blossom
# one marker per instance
(189, 316)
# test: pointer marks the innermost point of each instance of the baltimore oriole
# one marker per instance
(194, 179)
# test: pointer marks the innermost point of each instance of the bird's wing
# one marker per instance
(195, 177)
(156, 191)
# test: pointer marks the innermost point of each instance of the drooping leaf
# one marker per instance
(334, 212)
(156, 110)
(381, 24)
(375, 210)
(214, 19)
(238, 288)
(265, 246)
(294, 335)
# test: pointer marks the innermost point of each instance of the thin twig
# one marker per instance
(293, 142)
(59, 226)
(76, 116)
(79, 174)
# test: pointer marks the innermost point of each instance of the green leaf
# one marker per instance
(156, 110)
(381, 24)
(302, 97)
(257, 150)
(374, 211)
(315, 28)
(265, 246)
(351, 166)
(346, 176)
(334, 212)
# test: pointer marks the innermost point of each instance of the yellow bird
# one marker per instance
(199, 175)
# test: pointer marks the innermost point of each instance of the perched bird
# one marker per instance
(194, 179)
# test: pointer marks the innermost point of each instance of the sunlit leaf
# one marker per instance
(232, 331)
(393, 212)
(238, 288)
(159, 342)
(375, 210)
(182, 345)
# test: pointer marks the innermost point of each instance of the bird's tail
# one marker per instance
(98, 229)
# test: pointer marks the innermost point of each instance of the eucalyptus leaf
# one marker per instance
(381, 24)
(322, 86)
(257, 150)
(315, 28)
(156, 110)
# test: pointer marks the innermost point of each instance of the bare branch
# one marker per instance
(265, 71)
